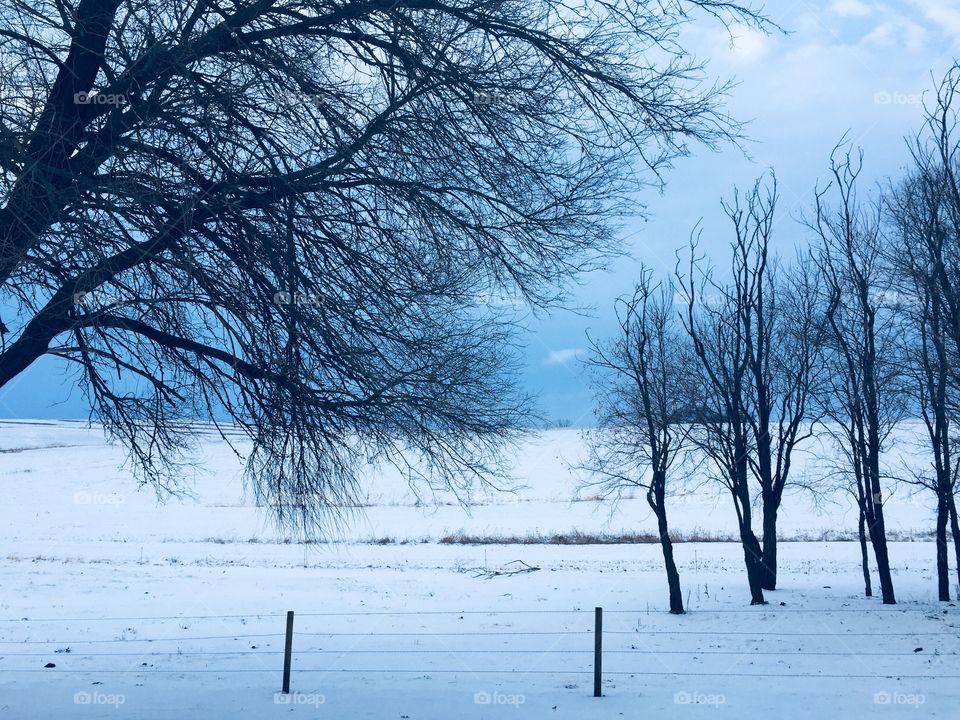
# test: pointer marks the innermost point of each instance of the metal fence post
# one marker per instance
(287, 652)
(597, 650)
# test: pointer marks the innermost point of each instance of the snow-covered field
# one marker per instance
(176, 610)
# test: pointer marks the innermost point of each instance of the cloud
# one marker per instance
(562, 357)
(944, 14)
(898, 33)
(749, 46)
(850, 8)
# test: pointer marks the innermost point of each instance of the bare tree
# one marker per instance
(863, 398)
(924, 257)
(928, 365)
(280, 214)
(722, 429)
(787, 381)
(758, 336)
(777, 309)
(926, 214)
(643, 399)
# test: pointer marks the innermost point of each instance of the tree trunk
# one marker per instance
(943, 550)
(864, 555)
(752, 552)
(874, 512)
(769, 566)
(656, 498)
(673, 577)
(753, 557)
(878, 538)
(955, 530)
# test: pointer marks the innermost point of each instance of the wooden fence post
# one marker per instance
(597, 650)
(287, 653)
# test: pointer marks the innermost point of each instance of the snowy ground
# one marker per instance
(176, 610)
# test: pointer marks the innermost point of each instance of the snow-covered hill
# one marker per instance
(66, 481)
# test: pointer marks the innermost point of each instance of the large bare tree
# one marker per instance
(280, 213)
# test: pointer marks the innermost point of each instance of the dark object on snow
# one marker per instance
(506, 570)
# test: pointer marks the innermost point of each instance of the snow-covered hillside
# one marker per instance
(67, 482)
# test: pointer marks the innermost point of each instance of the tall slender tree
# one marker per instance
(926, 211)
(865, 400)
(643, 400)
(777, 309)
(722, 429)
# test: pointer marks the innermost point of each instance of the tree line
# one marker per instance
(738, 366)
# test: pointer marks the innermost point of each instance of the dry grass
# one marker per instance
(576, 537)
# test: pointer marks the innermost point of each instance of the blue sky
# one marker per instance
(848, 66)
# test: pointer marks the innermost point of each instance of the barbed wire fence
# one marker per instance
(562, 643)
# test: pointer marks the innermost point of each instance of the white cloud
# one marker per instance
(944, 14)
(850, 8)
(898, 33)
(917, 38)
(750, 46)
(562, 357)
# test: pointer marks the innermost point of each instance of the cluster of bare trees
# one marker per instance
(732, 366)
(858, 332)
